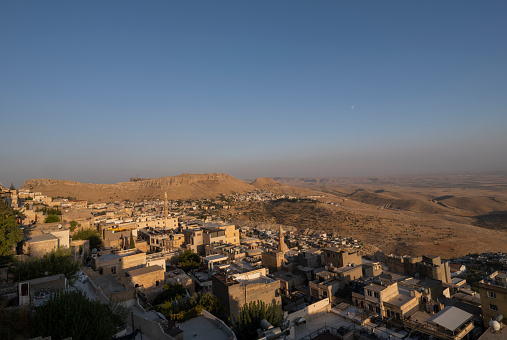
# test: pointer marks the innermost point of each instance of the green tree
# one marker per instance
(182, 309)
(188, 260)
(72, 314)
(73, 226)
(250, 317)
(59, 261)
(171, 292)
(91, 235)
(10, 234)
(52, 219)
(132, 243)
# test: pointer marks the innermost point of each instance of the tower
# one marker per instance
(281, 245)
(165, 205)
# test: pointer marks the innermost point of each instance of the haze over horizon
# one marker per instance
(102, 91)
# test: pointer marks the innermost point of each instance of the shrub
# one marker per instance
(52, 219)
(72, 314)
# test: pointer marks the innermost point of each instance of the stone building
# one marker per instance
(45, 238)
(340, 258)
(40, 245)
(234, 291)
(120, 261)
(147, 277)
(275, 259)
(493, 291)
(429, 266)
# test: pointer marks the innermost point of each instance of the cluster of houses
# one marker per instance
(322, 283)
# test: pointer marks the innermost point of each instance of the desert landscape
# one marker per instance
(442, 215)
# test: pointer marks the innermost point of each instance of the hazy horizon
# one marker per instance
(103, 91)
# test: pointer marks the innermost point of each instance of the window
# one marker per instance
(113, 270)
(376, 294)
(493, 307)
(492, 295)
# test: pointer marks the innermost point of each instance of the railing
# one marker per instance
(434, 331)
(373, 333)
(340, 332)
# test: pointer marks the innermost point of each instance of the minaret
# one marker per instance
(165, 205)
(281, 245)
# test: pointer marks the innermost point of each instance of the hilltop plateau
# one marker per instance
(185, 186)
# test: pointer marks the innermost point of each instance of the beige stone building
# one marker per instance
(40, 245)
(234, 291)
(119, 262)
(340, 258)
(426, 266)
(147, 277)
(493, 291)
(45, 238)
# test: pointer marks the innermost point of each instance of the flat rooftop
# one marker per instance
(216, 257)
(42, 238)
(202, 328)
(399, 300)
(107, 257)
(108, 282)
(145, 270)
(375, 287)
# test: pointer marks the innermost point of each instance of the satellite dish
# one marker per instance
(46, 273)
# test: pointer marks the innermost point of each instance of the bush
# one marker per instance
(188, 260)
(72, 314)
(91, 235)
(171, 292)
(181, 310)
(73, 226)
(52, 219)
(58, 261)
(250, 317)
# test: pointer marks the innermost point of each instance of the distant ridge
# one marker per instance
(185, 186)
(266, 183)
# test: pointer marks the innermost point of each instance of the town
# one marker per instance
(176, 270)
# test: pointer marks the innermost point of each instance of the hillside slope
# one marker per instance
(265, 183)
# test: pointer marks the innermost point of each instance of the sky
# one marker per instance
(101, 91)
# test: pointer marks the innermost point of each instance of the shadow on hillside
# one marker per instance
(496, 220)
(441, 198)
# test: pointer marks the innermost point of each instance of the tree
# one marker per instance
(10, 234)
(72, 314)
(91, 235)
(182, 309)
(132, 243)
(73, 226)
(250, 317)
(171, 292)
(59, 261)
(188, 260)
(52, 219)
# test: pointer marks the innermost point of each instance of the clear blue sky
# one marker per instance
(99, 91)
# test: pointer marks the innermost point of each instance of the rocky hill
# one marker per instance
(186, 186)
